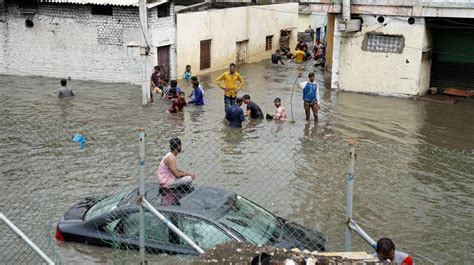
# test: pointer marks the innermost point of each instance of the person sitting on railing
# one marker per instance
(385, 251)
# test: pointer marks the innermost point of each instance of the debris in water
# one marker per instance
(81, 139)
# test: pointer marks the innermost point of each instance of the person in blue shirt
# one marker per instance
(310, 96)
(187, 73)
(235, 114)
(198, 95)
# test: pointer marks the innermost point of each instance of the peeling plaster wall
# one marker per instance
(401, 74)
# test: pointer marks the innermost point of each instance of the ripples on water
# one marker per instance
(413, 181)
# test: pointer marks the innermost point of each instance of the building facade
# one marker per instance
(212, 39)
(399, 47)
(98, 41)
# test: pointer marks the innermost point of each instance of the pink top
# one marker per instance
(280, 113)
(164, 175)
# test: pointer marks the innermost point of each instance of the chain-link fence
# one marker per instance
(278, 187)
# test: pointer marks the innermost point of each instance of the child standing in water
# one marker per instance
(165, 90)
(187, 73)
(193, 79)
(198, 96)
(178, 103)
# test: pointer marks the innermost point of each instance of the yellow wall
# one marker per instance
(225, 27)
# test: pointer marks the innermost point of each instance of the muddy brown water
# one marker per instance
(413, 174)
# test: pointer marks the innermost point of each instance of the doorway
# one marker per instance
(205, 55)
(163, 53)
(241, 51)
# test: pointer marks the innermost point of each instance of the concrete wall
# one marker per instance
(163, 33)
(67, 40)
(3, 26)
(225, 27)
(316, 20)
(402, 74)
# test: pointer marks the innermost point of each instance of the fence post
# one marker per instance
(23, 237)
(349, 194)
(141, 192)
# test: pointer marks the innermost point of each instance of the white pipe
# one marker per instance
(141, 191)
(143, 55)
(356, 228)
(152, 209)
(26, 239)
(336, 50)
(346, 10)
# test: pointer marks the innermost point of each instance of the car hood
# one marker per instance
(293, 235)
(78, 210)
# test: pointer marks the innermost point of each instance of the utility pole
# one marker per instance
(144, 52)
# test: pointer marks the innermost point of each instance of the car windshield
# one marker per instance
(106, 204)
(251, 221)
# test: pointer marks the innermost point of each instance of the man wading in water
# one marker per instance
(230, 85)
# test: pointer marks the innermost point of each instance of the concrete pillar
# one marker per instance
(329, 48)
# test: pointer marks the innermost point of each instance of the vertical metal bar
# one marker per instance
(141, 191)
(349, 193)
(150, 208)
(30, 243)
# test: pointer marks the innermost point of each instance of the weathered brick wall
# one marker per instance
(67, 40)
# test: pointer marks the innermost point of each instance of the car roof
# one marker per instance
(206, 202)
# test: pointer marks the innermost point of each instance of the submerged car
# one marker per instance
(208, 216)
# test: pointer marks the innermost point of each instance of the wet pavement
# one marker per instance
(415, 157)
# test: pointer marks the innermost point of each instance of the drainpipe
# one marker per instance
(346, 10)
(144, 51)
(336, 50)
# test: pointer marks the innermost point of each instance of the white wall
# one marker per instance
(316, 20)
(3, 26)
(67, 40)
(163, 33)
(226, 27)
(385, 73)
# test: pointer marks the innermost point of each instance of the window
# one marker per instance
(101, 10)
(251, 221)
(164, 10)
(155, 229)
(106, 204)
(202, 233)
(268, 42)
(376, 42)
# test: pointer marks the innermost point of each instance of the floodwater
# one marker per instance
(413, 174)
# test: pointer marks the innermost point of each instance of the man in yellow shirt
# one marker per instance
(230, 85)
(299, 56)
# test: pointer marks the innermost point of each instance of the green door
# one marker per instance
(453, 53)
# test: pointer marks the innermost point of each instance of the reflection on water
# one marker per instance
(404, 187)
